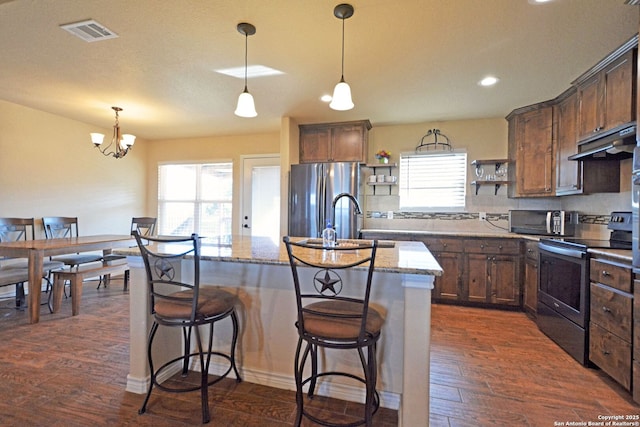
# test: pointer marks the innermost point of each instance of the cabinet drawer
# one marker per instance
(612, 310)
(611, 354)
(436, 244)
(493, 246)
(612, 274)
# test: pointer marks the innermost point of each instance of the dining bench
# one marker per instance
(76, 275)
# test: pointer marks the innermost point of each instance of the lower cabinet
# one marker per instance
(610, 327)
(477, 271)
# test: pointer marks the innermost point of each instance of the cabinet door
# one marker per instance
(590, 107)
(314, 144)
(504, 280)
(534, 164)
(449, 285)
(348, 144)
(477, 285)
(619, 102)
(567, 171)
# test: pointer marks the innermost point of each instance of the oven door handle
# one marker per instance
(573, 253)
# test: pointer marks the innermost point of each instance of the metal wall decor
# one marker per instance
(435, 145)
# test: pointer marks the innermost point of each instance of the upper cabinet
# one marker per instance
(578, 177)
(334, 142)
(607, 93)
(532, 169)
(543, 136)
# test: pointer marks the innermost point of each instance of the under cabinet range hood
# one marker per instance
(617, 144)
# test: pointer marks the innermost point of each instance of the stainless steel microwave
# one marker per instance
(547, 223)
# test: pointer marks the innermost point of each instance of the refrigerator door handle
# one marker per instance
(322, 192)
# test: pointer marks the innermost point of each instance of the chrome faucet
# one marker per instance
(350, 197)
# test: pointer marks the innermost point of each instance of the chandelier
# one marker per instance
(120, 143)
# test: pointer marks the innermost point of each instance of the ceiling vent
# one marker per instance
(89, 31)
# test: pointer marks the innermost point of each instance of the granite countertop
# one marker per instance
(405, 257)
(625, 255)
(454, 233)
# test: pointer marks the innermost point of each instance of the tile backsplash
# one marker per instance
(592, 226)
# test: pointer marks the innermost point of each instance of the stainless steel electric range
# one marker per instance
(563, 285)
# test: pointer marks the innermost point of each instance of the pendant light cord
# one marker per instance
(342, 70)
(246, 47)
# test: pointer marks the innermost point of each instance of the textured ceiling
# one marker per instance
(407, 61)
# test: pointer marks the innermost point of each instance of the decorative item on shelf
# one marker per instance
(341, 99)
(120, 144)
(246, 107)
(383, 156)
(435, 145)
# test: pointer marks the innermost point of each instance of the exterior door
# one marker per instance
(260, 191)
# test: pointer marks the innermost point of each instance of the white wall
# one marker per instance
(48, 167)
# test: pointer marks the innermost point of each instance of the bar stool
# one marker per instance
(334, 312)
(177, 304)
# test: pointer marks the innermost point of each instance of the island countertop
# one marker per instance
(256, 269)
(404, 257)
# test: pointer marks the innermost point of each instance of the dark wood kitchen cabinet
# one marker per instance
(493, 271)
(530, 288)
(334, 142)
(476, 271)
(611, 319)
(531, 151)
(449, 254)
(607, 93)
(577, 176)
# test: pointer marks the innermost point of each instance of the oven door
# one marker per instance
(563, 282)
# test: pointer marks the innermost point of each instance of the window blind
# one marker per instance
(433, 180)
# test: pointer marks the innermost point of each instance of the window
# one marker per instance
(195, 198)
(433, 180)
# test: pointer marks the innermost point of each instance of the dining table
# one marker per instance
(36, 250)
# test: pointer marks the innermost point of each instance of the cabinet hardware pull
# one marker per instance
(499, 246)
(605, 352)
(605, 273)
(606, 310)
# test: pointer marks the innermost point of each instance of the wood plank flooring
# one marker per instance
(488, 368)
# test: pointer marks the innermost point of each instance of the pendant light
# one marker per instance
(246, 107)
(341, 100)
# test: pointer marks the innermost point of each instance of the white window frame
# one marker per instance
(198, 200)
(425, 190)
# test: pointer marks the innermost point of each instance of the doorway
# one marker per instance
(260, 210)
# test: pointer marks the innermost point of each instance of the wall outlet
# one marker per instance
(389, 214)
(482, 216)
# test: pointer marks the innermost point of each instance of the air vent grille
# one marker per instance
(89, 31)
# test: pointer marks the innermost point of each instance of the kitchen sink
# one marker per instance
(355, 243)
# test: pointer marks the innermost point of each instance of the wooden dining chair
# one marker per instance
(15, 271)
(145, 226)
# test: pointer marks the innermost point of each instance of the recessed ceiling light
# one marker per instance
(252, 71)
(488, 81)
(539, 1)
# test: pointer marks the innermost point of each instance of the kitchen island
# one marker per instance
(257, 270)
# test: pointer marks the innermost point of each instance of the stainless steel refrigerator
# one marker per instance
(312, 189)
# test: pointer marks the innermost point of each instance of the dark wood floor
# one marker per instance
(488, 368)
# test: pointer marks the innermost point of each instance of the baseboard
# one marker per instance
(285, 382)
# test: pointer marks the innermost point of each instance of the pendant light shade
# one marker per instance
(341, 100)
(246, 107)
